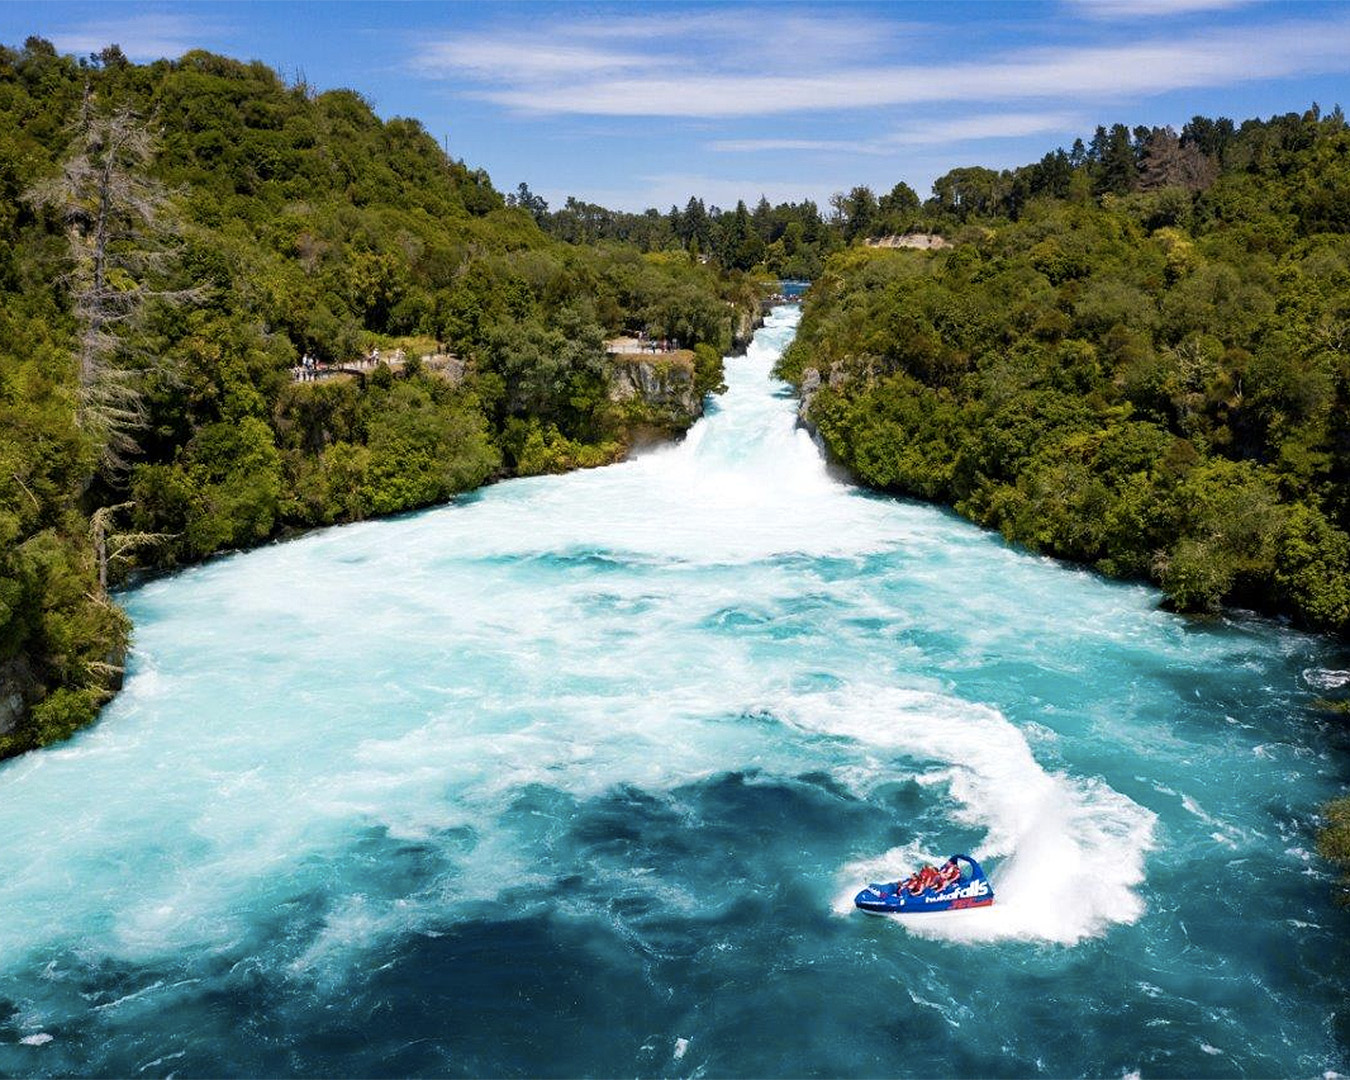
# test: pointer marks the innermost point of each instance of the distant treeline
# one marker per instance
(793, 240)
(174, 237)
(790, 241)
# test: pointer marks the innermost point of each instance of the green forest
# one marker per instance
(176, 239)
(790, 241)
(1134, 356)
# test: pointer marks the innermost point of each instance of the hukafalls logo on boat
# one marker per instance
(974, 889)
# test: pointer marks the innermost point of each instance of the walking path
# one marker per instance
(447, 365)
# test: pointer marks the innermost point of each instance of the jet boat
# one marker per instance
(957, 884)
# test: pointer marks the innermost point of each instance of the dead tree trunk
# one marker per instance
(113, 211)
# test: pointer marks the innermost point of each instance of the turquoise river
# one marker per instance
(578, 776)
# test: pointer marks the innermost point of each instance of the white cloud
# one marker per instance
(734, 34)
(924, 133)
(140, 37)
(692, 86)
(497, 59)
(929, 132)
(664, 44)
(803, 41)
(1150, 9)
(714, 95)
(655, 26)
(988, 126)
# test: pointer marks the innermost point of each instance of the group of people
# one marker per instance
(308, 369)
(374, 357)
(936, 878)
(656, 344)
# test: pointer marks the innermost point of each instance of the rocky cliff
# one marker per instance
(656, 391)
(18, 692)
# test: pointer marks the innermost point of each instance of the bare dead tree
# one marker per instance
(112, 547)
(116, 222)
(1168, 162)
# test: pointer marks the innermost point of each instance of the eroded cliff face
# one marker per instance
(744, 324)
(19, 691)
(656, 390)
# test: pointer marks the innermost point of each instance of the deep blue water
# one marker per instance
(578, 776)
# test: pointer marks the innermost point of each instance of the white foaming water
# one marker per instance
(578, 633)
(1068, 852)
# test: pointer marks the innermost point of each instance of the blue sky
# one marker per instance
(636, 105)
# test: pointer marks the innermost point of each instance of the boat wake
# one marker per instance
(1064, 854)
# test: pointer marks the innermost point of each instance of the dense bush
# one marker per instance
(1159, 400)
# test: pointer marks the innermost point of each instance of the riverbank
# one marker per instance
(176, 416)
(1061, 442)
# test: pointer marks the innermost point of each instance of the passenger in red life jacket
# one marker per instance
(931, 877)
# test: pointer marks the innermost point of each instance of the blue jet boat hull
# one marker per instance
(970, 890)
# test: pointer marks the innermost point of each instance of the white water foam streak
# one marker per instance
(1064, 854)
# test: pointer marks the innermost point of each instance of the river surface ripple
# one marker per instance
(578, 775)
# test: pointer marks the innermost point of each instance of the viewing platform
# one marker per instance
(638, 346)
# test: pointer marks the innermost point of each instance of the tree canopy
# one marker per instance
(1135, 356)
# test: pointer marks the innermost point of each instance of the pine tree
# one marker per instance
(1119, 167)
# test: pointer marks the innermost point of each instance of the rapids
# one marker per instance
(578, 776)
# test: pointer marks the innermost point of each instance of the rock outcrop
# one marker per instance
(656, 389)
(809, 385)
(743, 327)
(19, 691)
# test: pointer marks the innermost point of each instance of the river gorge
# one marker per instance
(578, 775)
